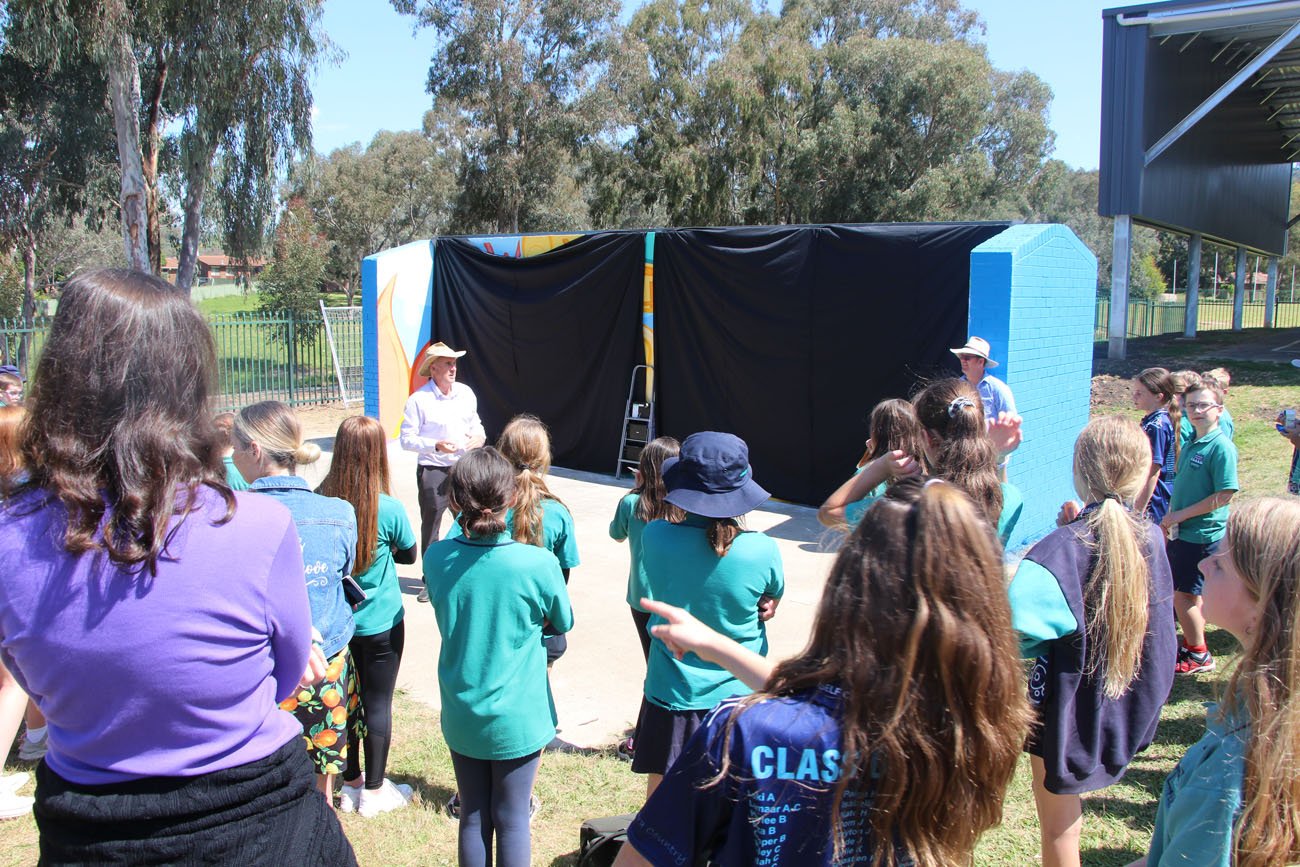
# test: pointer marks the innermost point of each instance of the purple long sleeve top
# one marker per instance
(174, 675)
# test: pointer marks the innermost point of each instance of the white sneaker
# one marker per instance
(13, 806)
(389, 796)
(31, 751)
(13, 782)
(350, 796)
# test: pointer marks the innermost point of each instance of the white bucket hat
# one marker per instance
(977, 346)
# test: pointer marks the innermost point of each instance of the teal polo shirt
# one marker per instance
(1202, 798)
(491, 598)
(383, 609)
(234, 478)
(627, 526)
(557, 532)
(682, 569)
(1205, 466)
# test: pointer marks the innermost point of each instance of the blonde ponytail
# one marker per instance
(1111, 458)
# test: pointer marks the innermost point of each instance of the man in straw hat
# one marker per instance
(994, 393)
(441, 423)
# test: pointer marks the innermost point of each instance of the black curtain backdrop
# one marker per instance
(556, 335)
(788, 336)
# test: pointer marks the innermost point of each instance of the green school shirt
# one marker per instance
(557, 532)
(682, 569)
(1205, 466)
(234, 478)
(490, 598)
(626, 525)
(383, 609)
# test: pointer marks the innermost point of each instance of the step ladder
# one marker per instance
(638, 421)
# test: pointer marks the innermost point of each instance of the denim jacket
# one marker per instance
(327, 529)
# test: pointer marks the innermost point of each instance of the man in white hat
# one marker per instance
(994, 393)
(441, 423)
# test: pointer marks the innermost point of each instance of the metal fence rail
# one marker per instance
(1151, 318)
(260, 356)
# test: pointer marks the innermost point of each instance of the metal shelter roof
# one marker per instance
(1201, 117)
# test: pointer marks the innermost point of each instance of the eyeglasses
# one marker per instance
(1202, 407)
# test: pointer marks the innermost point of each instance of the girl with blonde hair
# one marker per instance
(1234, 799)
(269, 446)
(1092, 605)
(538, 517)
(891, 739)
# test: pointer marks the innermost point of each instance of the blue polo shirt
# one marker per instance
(682, 569)
(996, 397)
(1160, 431)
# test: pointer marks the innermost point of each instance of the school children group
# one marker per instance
(161, 621)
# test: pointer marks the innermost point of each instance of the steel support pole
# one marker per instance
(1270, 294)
(1239, 291)
(1193, 285)
(1121, 251)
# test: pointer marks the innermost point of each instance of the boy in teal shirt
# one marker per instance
(1198, 507)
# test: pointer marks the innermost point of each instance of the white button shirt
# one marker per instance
(431, 416)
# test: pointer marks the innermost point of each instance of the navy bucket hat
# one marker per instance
(712, 477)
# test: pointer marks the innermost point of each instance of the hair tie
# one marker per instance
(959, 403)
(519, 468)
(1111, 495)
(934, 481)
(485, 511)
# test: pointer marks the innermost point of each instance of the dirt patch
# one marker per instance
(321, 422)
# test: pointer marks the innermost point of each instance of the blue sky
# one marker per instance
(380, 84)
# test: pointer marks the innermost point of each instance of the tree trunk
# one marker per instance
(124, 93)
(152, 138)
(29, 299)
(196, 179)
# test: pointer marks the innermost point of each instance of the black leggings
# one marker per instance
(377, 658)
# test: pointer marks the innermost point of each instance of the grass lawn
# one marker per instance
(577, 786)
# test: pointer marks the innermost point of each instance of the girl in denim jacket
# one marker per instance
(268, 447)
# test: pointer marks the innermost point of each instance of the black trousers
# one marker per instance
(377, 658)
(435, 497)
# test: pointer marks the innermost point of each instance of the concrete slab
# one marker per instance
(598, 683)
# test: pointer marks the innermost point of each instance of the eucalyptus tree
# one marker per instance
(525, 76)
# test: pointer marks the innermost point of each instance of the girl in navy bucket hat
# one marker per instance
(728, 577)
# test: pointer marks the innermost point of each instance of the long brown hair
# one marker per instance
(1111, 458)
(1162, 384)
(526, 443)
(915, 627)
(118, 419)
(952, 412)
(650, 504)
(1261, 541)
(894, 427)
(359, 474)
(11, 459)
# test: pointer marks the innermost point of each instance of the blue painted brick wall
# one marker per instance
(370, 332)
(1032, 296)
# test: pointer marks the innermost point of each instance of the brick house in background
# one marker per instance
(216, 266)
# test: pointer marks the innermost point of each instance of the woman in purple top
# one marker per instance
(154, 616)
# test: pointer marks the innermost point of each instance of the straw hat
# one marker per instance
(977, 346)
(437, 350)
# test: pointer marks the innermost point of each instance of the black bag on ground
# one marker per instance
(600, 839)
